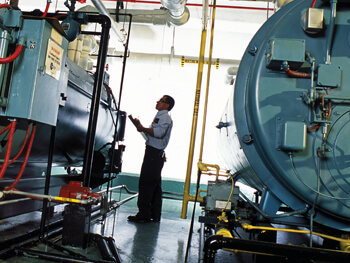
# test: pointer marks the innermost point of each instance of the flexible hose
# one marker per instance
(22, 148)
(13, 56)
(8, 150)
(25, 160)
(4, 6)
(5, 129)
(46, 9)
(313, 3)
(298, 74)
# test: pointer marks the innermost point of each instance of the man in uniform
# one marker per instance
(150, 190)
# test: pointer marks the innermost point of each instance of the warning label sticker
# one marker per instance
(53, 59)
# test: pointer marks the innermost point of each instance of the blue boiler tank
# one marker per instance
(285, 129)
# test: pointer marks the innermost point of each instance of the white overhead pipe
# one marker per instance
(155, 16)
(103, 11)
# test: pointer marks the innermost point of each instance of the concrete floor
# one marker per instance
(165, 241)
(161, 242)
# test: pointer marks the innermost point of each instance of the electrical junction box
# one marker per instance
(328, 76)
(281, 50)
(34, 88)
(218, 193)
(293, 136)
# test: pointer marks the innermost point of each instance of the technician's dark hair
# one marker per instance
(170, 101)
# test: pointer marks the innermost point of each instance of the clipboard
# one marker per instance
(135, 123)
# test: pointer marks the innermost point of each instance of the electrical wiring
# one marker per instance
(309, 187)
(229, 198)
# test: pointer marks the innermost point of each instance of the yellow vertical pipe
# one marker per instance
(208, 82)
(186, 196)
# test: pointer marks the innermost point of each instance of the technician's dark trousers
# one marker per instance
(150, 188)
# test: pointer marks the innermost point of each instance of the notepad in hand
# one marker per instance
(135, 123)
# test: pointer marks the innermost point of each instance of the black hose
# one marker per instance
(103, 246)
(113, 248)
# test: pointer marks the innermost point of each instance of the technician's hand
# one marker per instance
(139, 126)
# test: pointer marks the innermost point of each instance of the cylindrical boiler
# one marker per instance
(287, 121)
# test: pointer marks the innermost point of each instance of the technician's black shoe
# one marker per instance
(138, 219)
(155, 219)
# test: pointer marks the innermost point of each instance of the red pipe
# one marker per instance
(24, 162)
(8, 150)
(13, 56)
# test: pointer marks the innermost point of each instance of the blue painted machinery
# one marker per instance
(285, 132)
(53, 113)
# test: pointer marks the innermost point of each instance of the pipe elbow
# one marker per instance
(179, 20)
(178, 12)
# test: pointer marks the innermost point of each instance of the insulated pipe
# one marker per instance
(155, 16)
(178, 11)
(103, 11)
(175, 7)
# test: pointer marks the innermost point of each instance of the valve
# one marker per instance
(76, 190)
